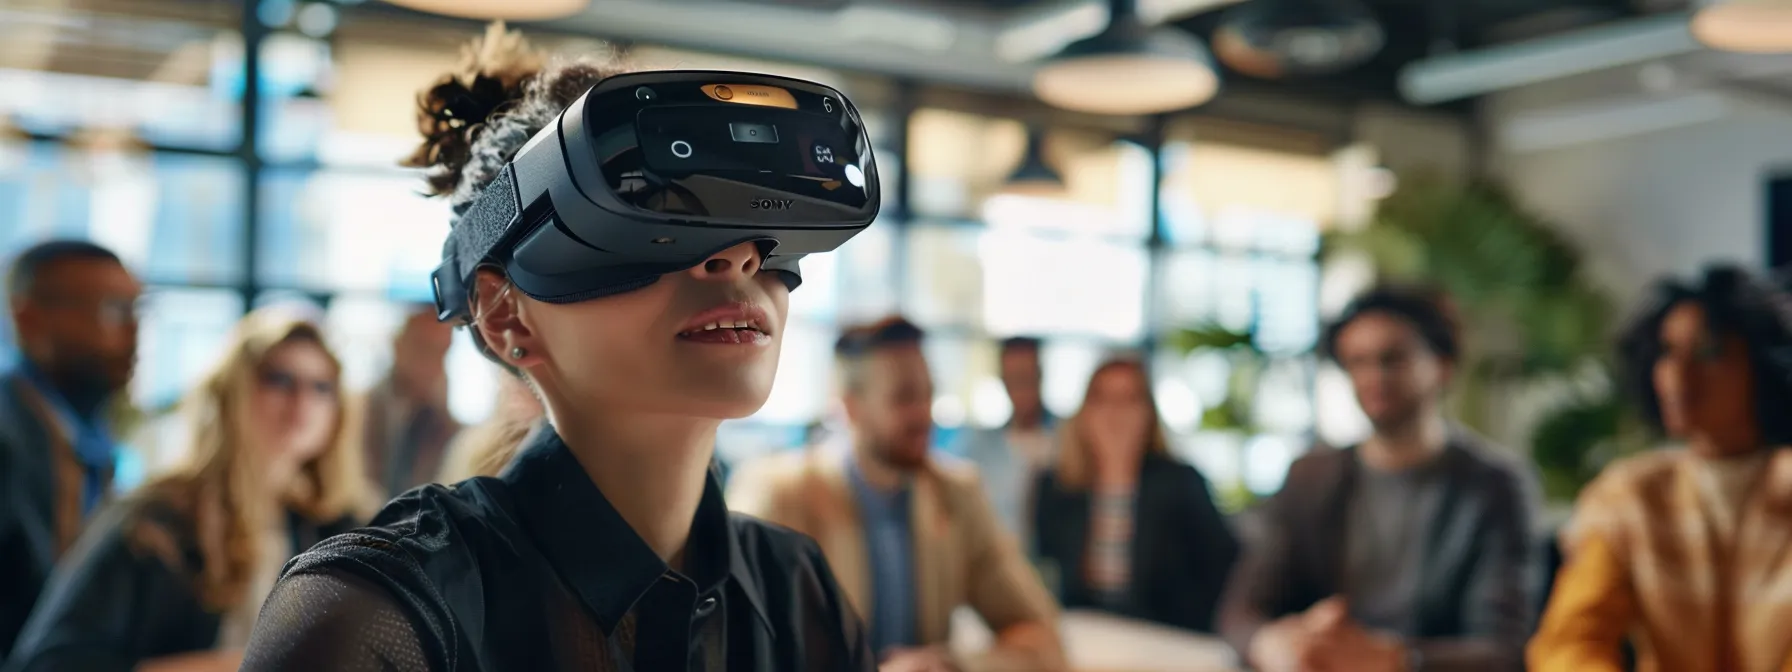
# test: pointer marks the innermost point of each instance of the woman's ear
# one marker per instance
(498, 319)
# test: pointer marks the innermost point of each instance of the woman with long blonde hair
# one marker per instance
(1130, 529)
(172, 576)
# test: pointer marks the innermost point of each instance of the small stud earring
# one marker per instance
(518, 353)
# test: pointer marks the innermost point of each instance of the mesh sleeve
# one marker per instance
(334, 621)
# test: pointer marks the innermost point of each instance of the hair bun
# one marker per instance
(494, 73)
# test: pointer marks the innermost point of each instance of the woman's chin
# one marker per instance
(724, 404)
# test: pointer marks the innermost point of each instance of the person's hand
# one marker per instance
(1335, 643)
(927, 659)
(1359, 650)
(1280, 646)
(1310, 641)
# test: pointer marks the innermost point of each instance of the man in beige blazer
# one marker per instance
(910, 537)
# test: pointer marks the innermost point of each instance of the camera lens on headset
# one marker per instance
(646, 94)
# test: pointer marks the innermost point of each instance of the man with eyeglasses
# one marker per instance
(73, 308)
(1409, 551)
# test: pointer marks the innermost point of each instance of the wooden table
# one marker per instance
(1098, 642)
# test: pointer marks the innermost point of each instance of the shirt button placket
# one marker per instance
(664, 616)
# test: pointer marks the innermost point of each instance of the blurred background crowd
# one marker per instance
(1399, 261)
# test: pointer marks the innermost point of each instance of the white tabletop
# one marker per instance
(1098, 642)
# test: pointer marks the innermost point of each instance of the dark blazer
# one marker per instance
(1475, 601)
(1182, 548)
(113, 603)
(29, 539)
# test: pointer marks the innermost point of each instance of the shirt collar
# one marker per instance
(90, 438)
(594, 550)
(1047, 422)
(881, 502)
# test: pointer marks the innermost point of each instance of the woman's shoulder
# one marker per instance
(417, 526)
(1635, 476)
(156, 521)
(1626, 496)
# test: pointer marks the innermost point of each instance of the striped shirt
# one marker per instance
(1109, 565)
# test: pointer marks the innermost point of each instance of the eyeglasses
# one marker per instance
(109, 311)
(287, 382)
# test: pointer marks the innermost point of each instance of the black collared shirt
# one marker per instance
(534, 570)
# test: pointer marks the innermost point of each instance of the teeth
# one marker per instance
(728, 324)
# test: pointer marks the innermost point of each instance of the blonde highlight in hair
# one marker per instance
(1072, 468)
(485, 449)
(218, 486)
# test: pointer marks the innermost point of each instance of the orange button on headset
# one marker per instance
(751, 94)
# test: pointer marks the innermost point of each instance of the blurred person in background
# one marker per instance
(1010, 457)
(486, 448)
(605, 543)
(1128, 528)
(74, 309)
(1412, 550)
(171, 577)
(1682, 552)
(911, 536)
(408, 426)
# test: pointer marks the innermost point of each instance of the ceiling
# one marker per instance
(155, 40)
(985, 45)
(1416, 29)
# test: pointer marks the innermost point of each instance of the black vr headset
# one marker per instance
(652, 173)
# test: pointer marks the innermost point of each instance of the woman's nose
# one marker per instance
(735, 262)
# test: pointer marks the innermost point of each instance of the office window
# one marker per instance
(1038, 285)
(182, 335)
(944, 275)
(174, 219)
(177, 108)
(1243, 229)
(351, 230)
(1205, 182)
(1008, 282)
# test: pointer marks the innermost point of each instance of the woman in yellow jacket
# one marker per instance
(1687, 553)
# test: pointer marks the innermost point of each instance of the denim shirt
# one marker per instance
(889, 544)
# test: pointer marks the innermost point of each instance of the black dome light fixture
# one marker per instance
(1282, 38)
(1128, 68)
(1034, 177)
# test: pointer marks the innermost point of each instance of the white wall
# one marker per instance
(1652, 202)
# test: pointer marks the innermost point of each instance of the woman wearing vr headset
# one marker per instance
(605, 544)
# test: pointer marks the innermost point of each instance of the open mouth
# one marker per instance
(727, 332)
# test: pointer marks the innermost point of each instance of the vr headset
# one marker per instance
(652, 173)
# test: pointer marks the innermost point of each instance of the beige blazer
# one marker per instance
(963, 556)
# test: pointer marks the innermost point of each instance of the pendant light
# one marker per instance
(1279, 38)
(1746, 26)
(1128, 68)
(1034, 177)
(485, 10)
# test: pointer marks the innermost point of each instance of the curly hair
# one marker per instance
(1735, 303)
(474, 119)
(1426, 309)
